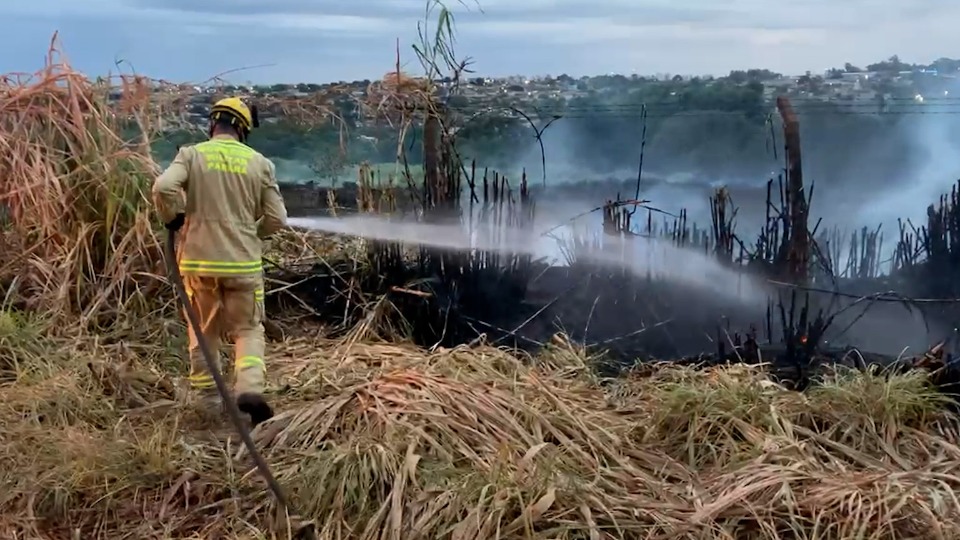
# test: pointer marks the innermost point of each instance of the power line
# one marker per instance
(697, 112)
(819, 100)
(664, 112)
(814, 99)
(681, 104)
(679, 107)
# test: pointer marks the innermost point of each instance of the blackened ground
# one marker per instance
(629, 318)
(635, 318)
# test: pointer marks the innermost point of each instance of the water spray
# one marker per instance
(653, 257)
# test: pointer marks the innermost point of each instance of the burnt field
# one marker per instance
(815, 294)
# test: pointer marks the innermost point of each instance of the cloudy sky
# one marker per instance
(330, 40)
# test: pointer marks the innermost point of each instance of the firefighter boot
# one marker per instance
(254, 405)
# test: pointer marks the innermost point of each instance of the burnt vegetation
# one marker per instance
(820, 283)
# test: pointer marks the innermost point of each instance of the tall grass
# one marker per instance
(76, 193)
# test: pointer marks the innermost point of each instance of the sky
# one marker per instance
(320, 41)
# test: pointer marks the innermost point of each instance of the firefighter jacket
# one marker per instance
(229, 195)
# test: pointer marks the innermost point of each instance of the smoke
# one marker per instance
(883, 328)
(868, 168)
(932, 143)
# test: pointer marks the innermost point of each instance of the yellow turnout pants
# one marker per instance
(231, 307)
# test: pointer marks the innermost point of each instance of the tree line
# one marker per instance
(599, 120)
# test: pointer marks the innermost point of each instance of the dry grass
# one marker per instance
(74, 198)
(389, 441)
(75, 193)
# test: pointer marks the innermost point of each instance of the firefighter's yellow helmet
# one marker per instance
(242, 117)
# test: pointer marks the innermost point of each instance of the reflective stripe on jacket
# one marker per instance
(228, 192)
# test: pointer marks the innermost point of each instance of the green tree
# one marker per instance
(890, 65)
(946, 66)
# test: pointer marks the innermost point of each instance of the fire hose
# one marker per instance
(213, 367)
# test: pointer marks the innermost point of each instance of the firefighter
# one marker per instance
(223, 197)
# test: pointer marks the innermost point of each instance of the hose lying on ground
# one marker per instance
(214, 369)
